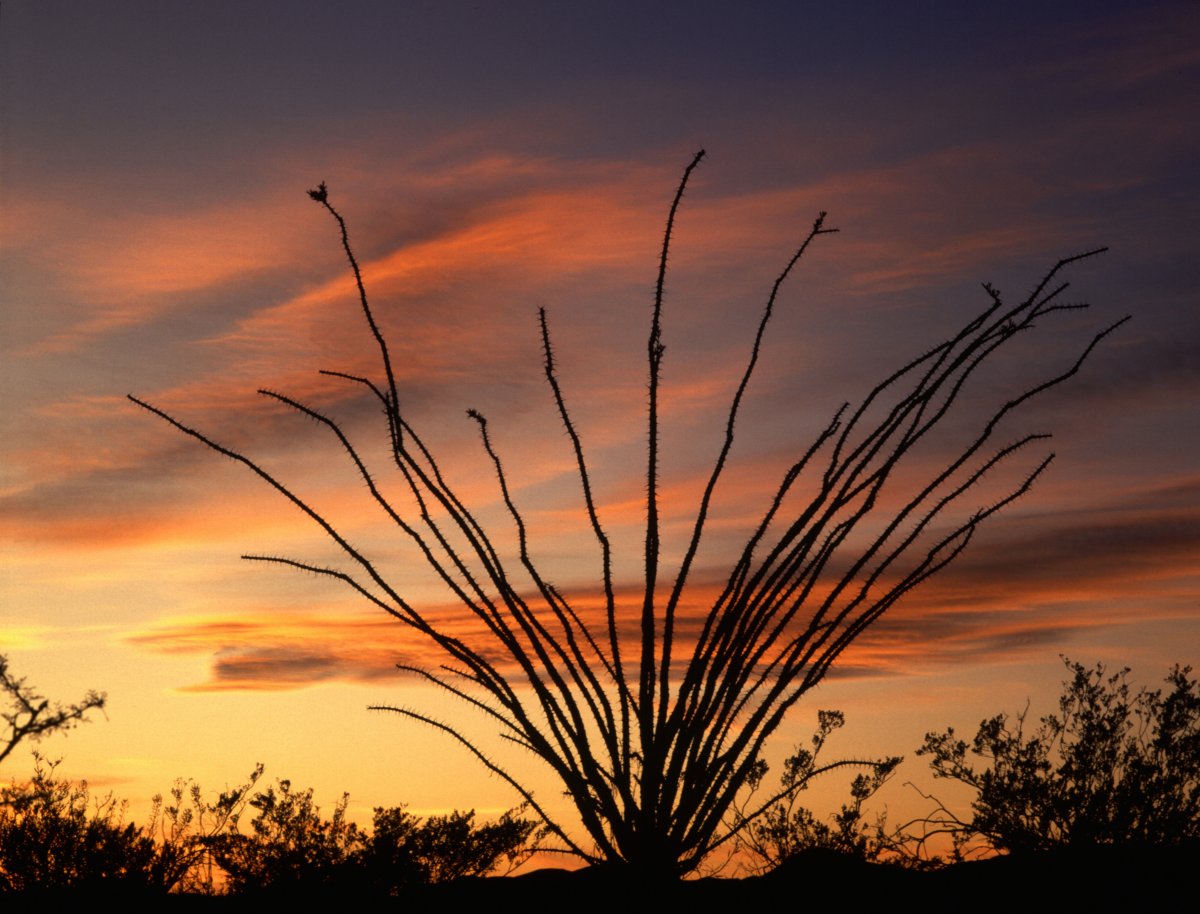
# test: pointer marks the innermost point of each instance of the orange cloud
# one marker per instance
(136, 266)
(1020, 590)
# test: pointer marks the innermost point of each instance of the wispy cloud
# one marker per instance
(130, 267)
(1032, 583)
(288, 650)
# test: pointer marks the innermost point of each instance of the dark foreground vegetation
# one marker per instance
(1124, 879)
(1094, 879)
(1098, 806)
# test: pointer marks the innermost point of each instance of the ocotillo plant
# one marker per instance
(652, 736)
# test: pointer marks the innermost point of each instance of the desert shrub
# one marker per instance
(187, 828)
(404, 850)
(1112, 767)
(291, 847)
(53, 837)
(781, 828)
(290, 844)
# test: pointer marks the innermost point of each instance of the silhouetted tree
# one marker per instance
(28, 715)
(1111, 768)
(652, 735)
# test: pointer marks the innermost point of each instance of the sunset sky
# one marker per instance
(492, 159)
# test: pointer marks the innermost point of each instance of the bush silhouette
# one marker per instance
(780, 828)
(188, 830)
(56, 837)
(53, 837)
(291, 848)
(652, 728)
(404, 850)
(1113, 767)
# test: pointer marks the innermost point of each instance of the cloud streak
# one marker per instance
(1033, 583)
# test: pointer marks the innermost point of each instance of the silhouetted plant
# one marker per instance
(186, 830)
(54, 837)
(28, 715)
(389, 863)
(652, 738)
(403, 850)
(779, 829)
(291, 845)
(1111, 768)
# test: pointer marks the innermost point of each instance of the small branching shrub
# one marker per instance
(1113, 767)
(290, 847)
(54, 836)
(290, 844)
(404, 850)
(780, 828)
(187, 828)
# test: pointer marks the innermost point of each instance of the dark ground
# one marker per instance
(1097, 880)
